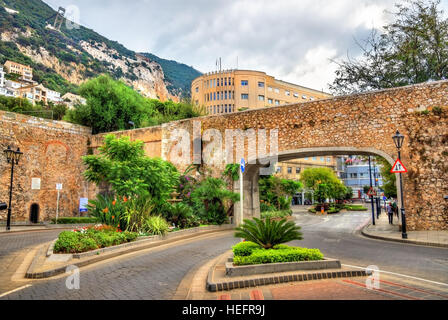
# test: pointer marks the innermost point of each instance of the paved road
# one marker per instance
(335, 236)
(147, 276)
(156, 274)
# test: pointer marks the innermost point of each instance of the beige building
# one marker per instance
(292, 170)
(236, 90)
(25, 71)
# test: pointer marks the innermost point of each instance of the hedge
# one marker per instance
(75, 220)
(279, 254)
(276, 214)
(356, 208)
(244, 249)
(77, 242)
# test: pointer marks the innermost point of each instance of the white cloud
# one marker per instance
(292, 40)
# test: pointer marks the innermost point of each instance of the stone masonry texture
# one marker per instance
(355, 124)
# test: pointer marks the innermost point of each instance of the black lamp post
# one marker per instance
(12, 157)
(399, 139)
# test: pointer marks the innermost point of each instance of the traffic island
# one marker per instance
(240, 277)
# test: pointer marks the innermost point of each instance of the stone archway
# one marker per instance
(252, 175)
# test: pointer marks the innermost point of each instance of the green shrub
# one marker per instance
(355, 208)
(91, 239)
(75, 220)
(244, 249)
(156, 225)
(268, 233)
(67, 242)
(281, 254)
(276, 214)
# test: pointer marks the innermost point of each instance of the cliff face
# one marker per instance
(63, 59)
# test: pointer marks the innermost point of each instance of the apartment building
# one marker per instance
(26, 72)
(292, 169)
(236, 90)
(72, 99)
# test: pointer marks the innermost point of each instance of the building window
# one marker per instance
(276, 90)
(244, 96)
(214, 109)
(260, 98)
(270, 101)
(314, 158)
(226, 108)
(322, 159)
(225, 81)
(222, 82)
(197, 89)
(287, 93)
(214, 96)
(226, 95)
(289, 170)
(279, 169)
(244, 83)
(270, 89)
(304, 97)
(260, 84)
(296, 95)
(277, 102)
(328, 159)
(298, 170)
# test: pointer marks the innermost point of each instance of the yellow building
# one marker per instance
(25, 71)
(292, 170)
(235, 90)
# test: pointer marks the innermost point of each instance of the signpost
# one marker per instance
(83, 202)
(243, 168)
(398, 167)
(59, 188)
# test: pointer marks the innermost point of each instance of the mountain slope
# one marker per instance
(63, 60)
(179, 75)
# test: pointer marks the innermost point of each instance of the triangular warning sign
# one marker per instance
(372, 192)
(398, 167)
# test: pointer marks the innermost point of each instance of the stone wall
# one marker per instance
(356, 124)
(52, 153)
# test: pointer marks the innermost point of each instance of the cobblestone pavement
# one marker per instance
(147, 276)
(14, 247)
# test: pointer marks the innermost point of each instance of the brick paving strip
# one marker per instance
(46, 265)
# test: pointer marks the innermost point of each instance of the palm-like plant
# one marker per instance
(268, 233)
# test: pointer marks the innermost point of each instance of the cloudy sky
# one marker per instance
(293, 40)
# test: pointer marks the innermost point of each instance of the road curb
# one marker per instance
(269, 280)
(137, 246)
(407, 241)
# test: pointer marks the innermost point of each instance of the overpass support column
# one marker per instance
(251, 196)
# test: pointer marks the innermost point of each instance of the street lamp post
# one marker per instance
(371, 185)
(12, 157)
(398, 140)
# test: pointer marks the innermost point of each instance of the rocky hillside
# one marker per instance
(63, 59)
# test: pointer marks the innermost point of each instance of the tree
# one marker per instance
(277, 192)
(324, 182)
(123, 166)
(389, 179)
(110, 106)
(412, 49)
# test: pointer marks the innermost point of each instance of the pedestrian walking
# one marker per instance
(395, 208)
(390, 213)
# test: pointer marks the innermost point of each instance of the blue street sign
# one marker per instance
(385, 198)
(243, 165)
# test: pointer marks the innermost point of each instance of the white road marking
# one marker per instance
(15, 290)
(401, 275)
